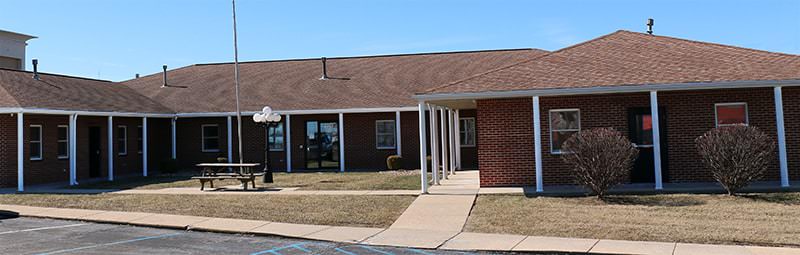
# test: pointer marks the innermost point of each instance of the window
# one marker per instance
(275, 135)
(63, 142)
(210, 141)
(35, 142)
(729, 114)
(122, 140)
(563, 124)
(467, 130)
(385, 134)
(139, 137)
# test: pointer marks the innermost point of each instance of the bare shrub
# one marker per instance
(737, 155)
(600, 158)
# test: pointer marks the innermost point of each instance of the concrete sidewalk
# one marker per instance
(418, 238)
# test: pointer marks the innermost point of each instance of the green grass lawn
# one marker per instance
(385, 180)
(759, 219)
(362, 211)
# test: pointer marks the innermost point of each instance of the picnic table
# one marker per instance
(243, 172)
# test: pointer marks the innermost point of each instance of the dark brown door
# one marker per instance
(95, 152)
(640, 125)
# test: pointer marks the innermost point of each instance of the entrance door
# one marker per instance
(322, 144)
(640, 124)
(94, 152)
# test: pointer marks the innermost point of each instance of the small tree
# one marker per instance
(600, 158)
(736, 155)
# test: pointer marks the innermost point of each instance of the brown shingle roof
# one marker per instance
(59, 92)
(374, 81)
(630, 58)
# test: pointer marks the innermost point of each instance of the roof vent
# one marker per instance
(165, 76)
(650, 26)
(324, 69)
(136, 76)
(35, 69)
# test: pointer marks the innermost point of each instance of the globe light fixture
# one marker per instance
(268, 119)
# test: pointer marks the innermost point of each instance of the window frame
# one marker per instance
(283, 136)
(123, 140)
(394, 135)
(550, 123)
(203, 138)
(474, 132)
(31, 141)
(139, 139)
(746, 114)
(59, 141)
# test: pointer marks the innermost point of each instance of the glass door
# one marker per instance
(322, 145)
(640, 124)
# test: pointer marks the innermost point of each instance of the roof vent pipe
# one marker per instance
(324, 69)
(650, 26)
(165, 76)
(35, 69)
(137, 76)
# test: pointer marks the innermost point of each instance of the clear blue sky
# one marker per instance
(116, 39)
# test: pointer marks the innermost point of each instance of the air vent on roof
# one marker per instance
(650, 26)
(324, 69)
(136, 76)
(35, 69)
(165, 76)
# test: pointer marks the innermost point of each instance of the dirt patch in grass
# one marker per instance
(385, 180)
(363, 211)
(758, 219)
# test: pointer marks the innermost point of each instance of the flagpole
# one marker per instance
(236, 82)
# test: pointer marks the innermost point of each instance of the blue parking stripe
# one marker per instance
(109, 244)
(276, 250)
(344, 251)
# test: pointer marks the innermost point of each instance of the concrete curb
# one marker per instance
(446, 240)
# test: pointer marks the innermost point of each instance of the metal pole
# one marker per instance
(236, 75)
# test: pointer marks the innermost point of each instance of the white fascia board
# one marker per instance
(84, 113)
(608, 89)
(302, 112)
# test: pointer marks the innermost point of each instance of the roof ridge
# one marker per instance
(711, 43)
(375, 56)
(522, 62)
(55, 74)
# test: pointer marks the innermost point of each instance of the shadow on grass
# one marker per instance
(135, 182)
(653, 201)
(778, 198)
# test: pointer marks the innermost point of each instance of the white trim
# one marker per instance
(537, 143)
(341, 142)
(782, 157)
(474, 132)
(288, 145)
(124, 140)
(58, 129)
(230, 139)
(398, 134)
(434, 144)
(20, 152)
(450, 136)
(110, 148)
(423, 154)
(457, 140)
(551, 129)
(203, 138)
(73, 149)
(608, 89)
(144, 146)
(15, 110)
(41, 144)
(394, 133)
(746, 113)
(443, 138)
(173, 138)
(656, 139)
(79, 112)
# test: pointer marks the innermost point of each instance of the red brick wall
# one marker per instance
(409, 128)
(361, 151)
(8, 150)
(505, 142)
(189, 141)
(791, 117)
(50, 168)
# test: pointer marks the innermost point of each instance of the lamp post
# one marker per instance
(268, 119)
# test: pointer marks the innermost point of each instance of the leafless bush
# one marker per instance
(736, 155)
(600, 158)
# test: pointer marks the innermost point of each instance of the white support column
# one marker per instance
(341, 142)
(398, 136)
(451, 139)
(434, 145)
(442, 131)
(423, 154)
(144, 146)
(110, 148)
(173, 126)
(457, 121)
(656, 139)
(20, 152)
(782, 158)
(537, 143)
(73, 149)
(288, 139)
(230, 139)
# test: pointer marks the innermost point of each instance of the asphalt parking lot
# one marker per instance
(24, 235)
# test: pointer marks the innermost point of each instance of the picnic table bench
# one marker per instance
(244, 173)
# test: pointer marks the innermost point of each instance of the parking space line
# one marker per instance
(344, 251)
(42, 228)
(276, 250)
(109, 244)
